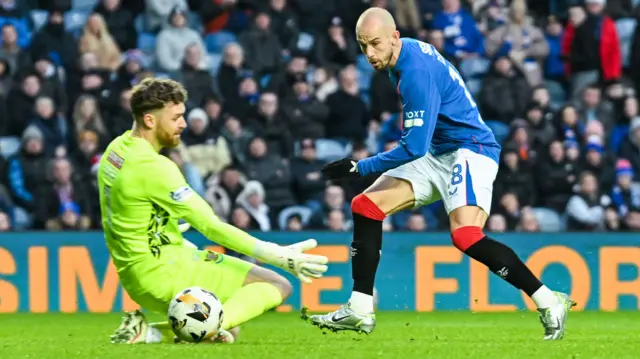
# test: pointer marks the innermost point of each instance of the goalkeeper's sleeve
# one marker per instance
(167, 187)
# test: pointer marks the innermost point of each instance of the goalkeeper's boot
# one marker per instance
(345, 319)
(553, 319)
(133, 329)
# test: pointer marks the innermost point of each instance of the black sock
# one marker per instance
(365, 252)
(504, 262)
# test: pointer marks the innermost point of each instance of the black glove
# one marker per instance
(341, 169)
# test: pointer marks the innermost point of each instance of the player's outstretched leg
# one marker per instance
(386, 196)
(466, 232)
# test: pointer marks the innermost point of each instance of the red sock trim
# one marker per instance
(365, 207)
(465, 237)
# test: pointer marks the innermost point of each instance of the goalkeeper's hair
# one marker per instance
(153, 94)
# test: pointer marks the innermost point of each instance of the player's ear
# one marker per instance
(149, 120)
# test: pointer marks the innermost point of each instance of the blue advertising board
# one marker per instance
(70, 272)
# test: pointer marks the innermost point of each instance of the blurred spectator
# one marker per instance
(240, 218)
(503, 96)
(294, 224)
(509, 208)
(522, 42)
(223, 190)
(308, 180)
(594, 108)
(630, 148)
(175, 38)
(11, 51)
(407, 16)
(334, 49)
(625, 196)
(284, 24)
(528, 222)
(87, 116)
(274, 174)
(416, 223)
(497, 224)
(120, 23)
(554, 66)
(54, 41)
(599, 163)
(269, 122)
(313, 15)
(541, 129)
(97, 39)
(133, 64)
(64, 204)
(238, 139)
(195, 76)
(295, 70)
(305, 114)
(263, 51)
(324, 83)
(463, 39)
(252, 200)
(555, 178)
(591, 46)
(333, 200)
(229, 75)
(5, 222)
(6, 82)
(515, 176)
(158, 11)
(521, 141)
(584, 209)
(348, 114)
(205, 148)
(88, 156)
(50, 83)
(22, 99)
(120, 118)
(335, 221)
(26, 169)
(569, 126)
(52, 126)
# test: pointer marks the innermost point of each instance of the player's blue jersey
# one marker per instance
(440, 115)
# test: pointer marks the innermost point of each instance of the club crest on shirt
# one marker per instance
(181, 194)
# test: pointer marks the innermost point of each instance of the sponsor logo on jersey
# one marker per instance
(413, 118)
(115, 160)
(181, 194)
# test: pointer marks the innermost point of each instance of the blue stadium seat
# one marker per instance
(303, 212)
(215, 42)
(147, 42)
(213, 63)
(83, 5)
(74, 20)
(39, 18)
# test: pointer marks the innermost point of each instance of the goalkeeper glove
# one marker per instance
(293, 259)
(341, 169)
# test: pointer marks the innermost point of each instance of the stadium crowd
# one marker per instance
(278, 88)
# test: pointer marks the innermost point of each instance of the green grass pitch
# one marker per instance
(445, 335)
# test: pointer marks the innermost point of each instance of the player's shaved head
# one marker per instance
(378, 37)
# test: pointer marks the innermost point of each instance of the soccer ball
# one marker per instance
(195, 314)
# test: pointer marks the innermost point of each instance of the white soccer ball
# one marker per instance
(195, 314)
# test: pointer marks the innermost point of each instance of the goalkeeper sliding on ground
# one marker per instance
(142, 197)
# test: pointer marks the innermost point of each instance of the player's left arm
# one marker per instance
(421, 104)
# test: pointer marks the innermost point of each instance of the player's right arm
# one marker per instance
(166, 186)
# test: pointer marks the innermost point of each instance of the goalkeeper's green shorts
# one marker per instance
(153, 284)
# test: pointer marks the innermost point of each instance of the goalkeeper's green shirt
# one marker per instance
(142, 196)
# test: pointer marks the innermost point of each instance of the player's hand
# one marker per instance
(341, 169)
(293, 259)
(310, 265)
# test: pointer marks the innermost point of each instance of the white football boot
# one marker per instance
(553, 319)
(344, 319)
(132, 330)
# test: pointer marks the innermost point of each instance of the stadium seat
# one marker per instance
(147, 42)
(215, 42)
(83, 5)
(213, 63)
(74, 21)
(39, 18)
(331, 150)
(548, 220)
(303, 212)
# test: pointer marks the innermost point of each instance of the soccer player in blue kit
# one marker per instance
(446, 152)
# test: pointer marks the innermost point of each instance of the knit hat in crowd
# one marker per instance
(197, 113)
(32, 132)
(623, 167)
(594, 143)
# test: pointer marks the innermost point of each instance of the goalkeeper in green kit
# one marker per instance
(142, 197)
